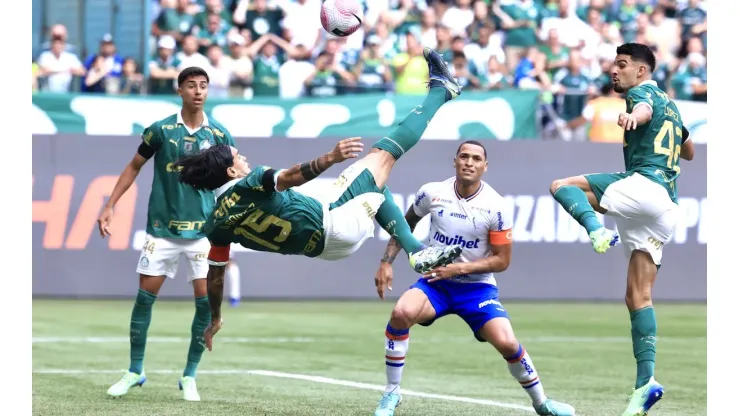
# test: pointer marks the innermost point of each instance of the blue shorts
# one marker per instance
(475, 303)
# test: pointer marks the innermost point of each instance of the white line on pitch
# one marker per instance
(113, 340)
(304, 377)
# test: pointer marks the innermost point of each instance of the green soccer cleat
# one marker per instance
(125, 383)
(439, 74)
(552, 408)
(189, 391)
(644, 398)
(388, 404)
(602, 239)
(433, 256)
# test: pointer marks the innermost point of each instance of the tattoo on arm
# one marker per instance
(394, 247)
(314, 168)
(215, 282)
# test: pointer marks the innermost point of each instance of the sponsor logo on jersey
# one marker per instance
(438, 199)
(458, 215)
(419, 198)
(441, 213)
(457, 240)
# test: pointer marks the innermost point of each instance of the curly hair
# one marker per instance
(206, 170)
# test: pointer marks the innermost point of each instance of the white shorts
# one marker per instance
(347, 227)
(161, 256)
(644, 213)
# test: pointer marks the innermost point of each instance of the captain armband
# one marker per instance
(219, 255)
(502, 237)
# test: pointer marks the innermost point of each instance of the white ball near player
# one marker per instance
(341, 17)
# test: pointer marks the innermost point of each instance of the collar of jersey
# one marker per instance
(649, 82)
(181, 121)
(225, 187)
(480, 188)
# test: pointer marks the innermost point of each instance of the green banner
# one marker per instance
(502, 115)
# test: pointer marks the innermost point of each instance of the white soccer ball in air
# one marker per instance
(341, 17)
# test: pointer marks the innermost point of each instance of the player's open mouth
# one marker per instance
(467, 171)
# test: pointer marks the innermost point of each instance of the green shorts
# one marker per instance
(362, 184)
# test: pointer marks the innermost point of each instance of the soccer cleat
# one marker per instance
(234, 302)
(644, 398)
(125, 383)
(189, 391)
(434, 256)
(552, 408)
(388, 404)
(602, 239)
(439, 74)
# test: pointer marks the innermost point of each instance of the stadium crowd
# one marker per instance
(259, 48)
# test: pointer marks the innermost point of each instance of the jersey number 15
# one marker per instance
(259, 227)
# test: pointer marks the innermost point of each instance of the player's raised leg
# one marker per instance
(641, 276)
(499, 333)
(141, 317)
(413, 307)
(576, 195)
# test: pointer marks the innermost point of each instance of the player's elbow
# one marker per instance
(687, 152)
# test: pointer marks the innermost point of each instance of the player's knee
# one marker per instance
(557, 184)
(637, 298)
(403, 316)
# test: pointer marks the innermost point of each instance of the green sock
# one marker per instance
(409, 132)
(575, 201)
(391, 218)
(141, 316)
(644, 328)
(197, 343)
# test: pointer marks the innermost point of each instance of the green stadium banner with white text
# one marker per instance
(502, 115)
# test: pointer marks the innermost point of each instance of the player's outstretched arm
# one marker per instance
(300, 174)
(384, 275)
(218, 258)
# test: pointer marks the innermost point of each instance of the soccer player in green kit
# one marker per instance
(642, 200)
(175, 220)
(257, 209)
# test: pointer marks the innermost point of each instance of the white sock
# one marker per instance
(522, 368)
(396, 346)
(232, 274)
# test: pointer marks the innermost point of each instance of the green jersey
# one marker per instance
(177, 210)
(654, 149)
(252, 213)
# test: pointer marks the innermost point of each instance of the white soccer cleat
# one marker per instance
(434, 256)
(189, 390)
(125, 383)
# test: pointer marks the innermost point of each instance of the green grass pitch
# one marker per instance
(327, 358)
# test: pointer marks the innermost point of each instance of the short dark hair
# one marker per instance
(638, 52)
(474, 143)
(207, 169)
(191, 71)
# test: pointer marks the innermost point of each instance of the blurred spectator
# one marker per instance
(106, 67)
(58, 31)
(690, 80)
(34, 77)
(625, 19)
(412, 72)
(530, 72)
(58, 67)
(258, 18)
(574, 88)
(520, 22)
(304, 30)
(189, 55)
(465, 72)
(132, 80)
(372, 71)
(242, 69)
(175, 19)
(200, 21)
(267, 68)
(495, 79)
(693, 23)
(662, 33)
(603, 113)
(219, 72)
(329, 78)
(556, 55)
(163, 68)
(215, 32)
(429, 28)
(294, 71)
(458, 17)
(486, 46)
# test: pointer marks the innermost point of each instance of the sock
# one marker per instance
(141, 316)
(197, 343)
(644, 328)
(396, 346)
(576, 203)
(409, 132)
(232, 274)
(391, 218)
(522, 369)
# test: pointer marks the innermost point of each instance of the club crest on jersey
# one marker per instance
(457, 240)
(188, 147)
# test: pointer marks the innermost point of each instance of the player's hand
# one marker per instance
(211, 331)
(442, 273)
(627, 121)
(384, 279)
(346, 149)
(106, 217)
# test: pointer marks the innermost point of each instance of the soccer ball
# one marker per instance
(341, 17)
